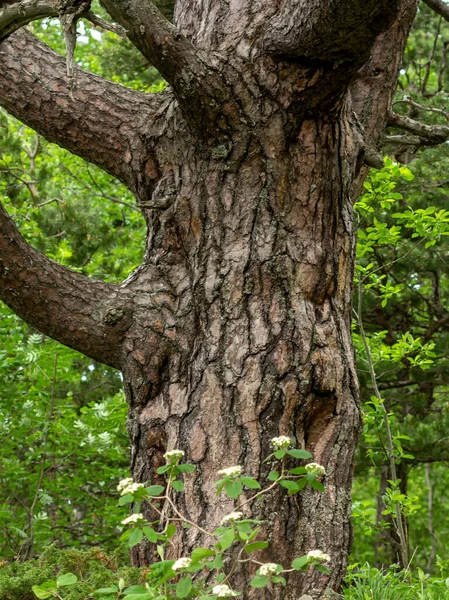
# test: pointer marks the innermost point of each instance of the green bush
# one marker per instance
(369, 583)
(93, 568)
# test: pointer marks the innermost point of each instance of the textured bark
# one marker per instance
(236, 327)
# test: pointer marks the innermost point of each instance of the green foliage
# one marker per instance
(368, 583)
(63, 443)
(92, 568)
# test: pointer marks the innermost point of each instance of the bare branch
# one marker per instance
(411, 102)
(422, 134)
(337, 31)
(15, 14)
(62, 304)
(99, 22)
(102, 122)
(440, 7)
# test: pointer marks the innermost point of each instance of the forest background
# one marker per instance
(63, 438)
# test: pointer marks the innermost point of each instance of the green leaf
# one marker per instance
(110, 590)
(233, 489)
(170, 531)
(299, 453)
(183, 587)
(298, 471)
(279, 454)
(178, 485)
(125, 535)
(259, 581)
(135, 537)
(322, 568)
(154, 490)
(163, 469)
(200, 553)
(316, 485)
(227, 539)
(279, 579)
(150, 534)
(291, 486)
(67, 579)
(299, 563)
(256, 546)
(42, 592)
(125, 499)
(250, 482)
(135, 589)
(145, 596)
(217, 563)
(273, 475)
(301, 483)
(185, 468)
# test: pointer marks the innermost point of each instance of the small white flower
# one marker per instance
(182, 563)
(318, 555)
(234, 516)
(223, 591)
(125, 483)
(231, 471)
(128, 486)
(173, 455)
(315, 468)
(281, 443)
(268, 569)
(133, 519)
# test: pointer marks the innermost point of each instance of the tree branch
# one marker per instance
(422, 134)
(198, 85)
(373, 87)
(332, 31)
(76, 311)
(440, 7)
(102, 122)
(15, 14)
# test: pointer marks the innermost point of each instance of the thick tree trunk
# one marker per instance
(266, 335)
(237, 326)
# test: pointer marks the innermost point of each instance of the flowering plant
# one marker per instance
(235, 540)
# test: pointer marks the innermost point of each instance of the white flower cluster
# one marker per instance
(318, 555)
(133, 519)
(234, 516)
(223, 591)
(268, 569)
(182, 563)
(281, 443)
(231, 471)
(173, 455)
(128, 486)
(315, 468)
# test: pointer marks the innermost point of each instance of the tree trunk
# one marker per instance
(264, 346)
(237, 326)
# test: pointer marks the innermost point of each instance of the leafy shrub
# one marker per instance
(93, 568)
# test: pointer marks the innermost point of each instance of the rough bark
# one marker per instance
(236, 328)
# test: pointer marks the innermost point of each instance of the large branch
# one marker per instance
(197, 83)
(62, 304)
(14, 14)
(422, 134)
(99, 121)
(440, 7)
(329, 30)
